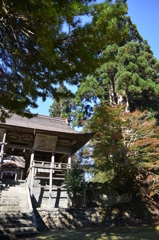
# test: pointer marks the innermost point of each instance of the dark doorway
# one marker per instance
(8, 175)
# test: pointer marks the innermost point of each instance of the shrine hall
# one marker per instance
(38, 150)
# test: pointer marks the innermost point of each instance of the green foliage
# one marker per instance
(44, 43)
(137, 75)
(108, 151)
(63, 106)
(128, 74)
(126, 145)
(74, 181)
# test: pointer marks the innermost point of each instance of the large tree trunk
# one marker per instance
(127, 109)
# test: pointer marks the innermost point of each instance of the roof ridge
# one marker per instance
(55, 118)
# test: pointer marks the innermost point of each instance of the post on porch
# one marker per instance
(68, 194)
(69, 160)
(21, 175)
(2, 152)
(32, 158)
(32, 179)
(51, 176)
(16, 174)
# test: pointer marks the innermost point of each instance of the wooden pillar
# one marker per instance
(69, 160)
(2, 147)
(69, 166)
(32, 158)
(51, 176)
(32, 179)
(21, 177)
(1, 154)
(15, 176)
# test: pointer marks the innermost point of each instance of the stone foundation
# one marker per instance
(64, 218)
(40, 196)
(74, 218)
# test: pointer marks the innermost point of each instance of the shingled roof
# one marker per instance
(54, 126)
(40, 122)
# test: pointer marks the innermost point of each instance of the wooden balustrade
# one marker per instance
(49, 168)
(49, 165)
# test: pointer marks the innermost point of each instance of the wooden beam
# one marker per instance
(42, 177)
(2, 143)
(32, 180)
(32, 158)
(51, 175)
(2, 148)
(69, 158)
(19, 146)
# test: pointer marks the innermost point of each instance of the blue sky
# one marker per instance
(144, 13)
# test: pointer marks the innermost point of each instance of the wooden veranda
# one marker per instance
(46, 145)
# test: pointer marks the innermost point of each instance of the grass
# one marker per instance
(103, 233)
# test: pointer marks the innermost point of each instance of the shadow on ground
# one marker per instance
(122, 233)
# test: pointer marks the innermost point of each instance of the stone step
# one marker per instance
(7, 184)
(4, 195)
(19, 204)
(10, 209)
(14, 216)
(14, 189)
(13, 186)
(15, 220)
(14, 195)
(14, 225)
(12, 180)
(15, 183)
(14, 206)
(8, 203)
(15, 209)
(15, 192)
(10, 196)
(20, 230)
(22, 186)
(13, 200)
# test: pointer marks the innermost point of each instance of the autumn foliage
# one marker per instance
(126, 146)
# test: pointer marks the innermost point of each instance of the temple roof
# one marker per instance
(40, 122)
(18, 127)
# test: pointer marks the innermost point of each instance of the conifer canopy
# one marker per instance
(44, 43)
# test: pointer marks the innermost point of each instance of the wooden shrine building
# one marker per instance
(38, 149)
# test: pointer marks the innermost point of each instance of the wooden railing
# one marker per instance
(49, 165)
(51, 168)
